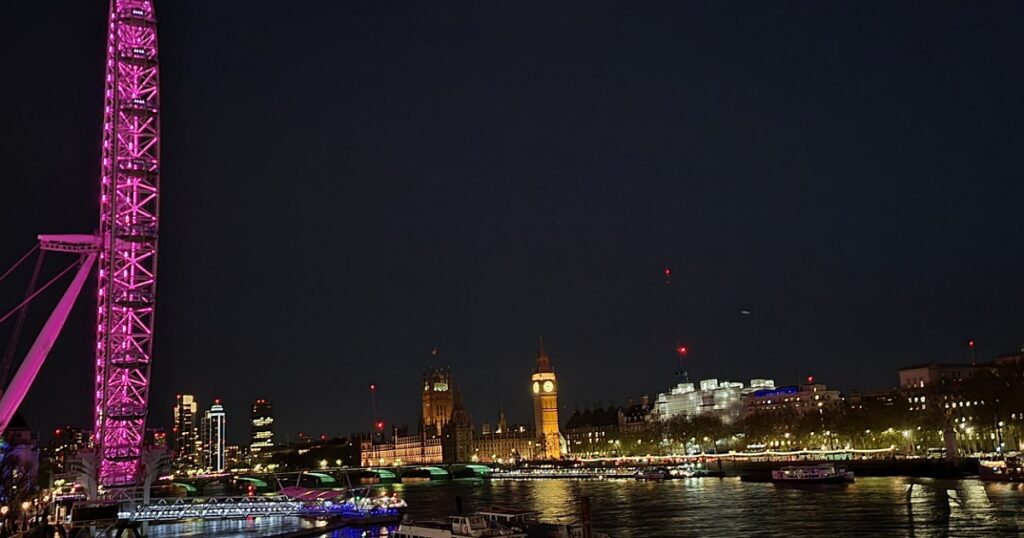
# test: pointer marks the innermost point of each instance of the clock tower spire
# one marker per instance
(545, 405)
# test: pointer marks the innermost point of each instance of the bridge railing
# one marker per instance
(213, 508)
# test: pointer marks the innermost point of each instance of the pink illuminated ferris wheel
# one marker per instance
(129, 218)
(124, 251)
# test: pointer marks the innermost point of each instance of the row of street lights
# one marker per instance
(4, 510)
(37, 504)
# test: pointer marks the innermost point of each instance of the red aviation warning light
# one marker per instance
(681, 350)
(668, 275)
(810, 380)
(970, 344)
(373, 405)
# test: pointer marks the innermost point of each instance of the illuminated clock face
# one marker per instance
(536, 387)
(549, 386)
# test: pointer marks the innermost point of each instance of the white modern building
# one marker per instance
(723, 399)
(212, 435)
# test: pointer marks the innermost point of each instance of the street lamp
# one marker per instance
(24, 515)
(3, 515)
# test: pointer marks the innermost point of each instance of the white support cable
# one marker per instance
(40, 290)
(29, 369)
(19, 262)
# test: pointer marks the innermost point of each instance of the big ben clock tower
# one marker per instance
(545, 406)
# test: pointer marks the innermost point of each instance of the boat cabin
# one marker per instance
(468, 525)
(509, 517)
(473, 526)
(809, 471)
(825, 473)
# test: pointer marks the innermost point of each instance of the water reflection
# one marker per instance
(254, 526)
(728, 507)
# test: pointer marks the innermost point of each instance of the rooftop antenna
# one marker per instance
(378, 424)
(680, 348)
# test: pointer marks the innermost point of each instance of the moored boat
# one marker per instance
(824, 473)
(355, 504)
(1008, 469)
(527, 521)
(473, 526)
(512, 518)
(658, 473)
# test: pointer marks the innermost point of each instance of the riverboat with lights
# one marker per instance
(1008, 469)
(659, 473)
(355, 504)
(825, 473)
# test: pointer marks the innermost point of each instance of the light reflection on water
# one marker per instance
(722, 507)
(257, 526)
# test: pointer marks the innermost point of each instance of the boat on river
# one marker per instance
(1008, 469)
(658, 473)
(528, 521)
(355, 504)
(472, 526)
(824, 473)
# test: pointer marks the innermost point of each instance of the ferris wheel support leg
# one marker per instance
(29, 368)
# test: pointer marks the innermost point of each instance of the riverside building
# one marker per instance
(800, 399)
(416, 449)
(506, 444)
(438, 400)
(503, 445)
(723, 399)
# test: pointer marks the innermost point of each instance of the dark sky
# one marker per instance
(346, 185)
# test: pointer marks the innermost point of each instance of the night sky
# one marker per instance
(347, 185)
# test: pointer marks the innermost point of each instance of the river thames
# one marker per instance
(711, 507)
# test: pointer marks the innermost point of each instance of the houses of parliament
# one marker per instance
(447, 433)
